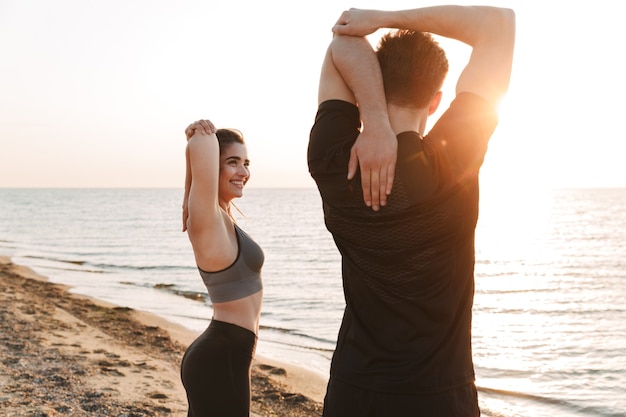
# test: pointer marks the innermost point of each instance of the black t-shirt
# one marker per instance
(408, 269)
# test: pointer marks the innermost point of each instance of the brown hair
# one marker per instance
(227, 137)
(413, 66)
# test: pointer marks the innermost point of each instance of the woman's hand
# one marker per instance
(204, 127)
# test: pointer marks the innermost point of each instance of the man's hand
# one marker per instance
(375, 152)
(358, 22)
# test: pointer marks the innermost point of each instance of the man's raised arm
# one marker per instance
(490, 31)
(351, 73)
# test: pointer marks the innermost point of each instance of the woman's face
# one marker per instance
(234, 172)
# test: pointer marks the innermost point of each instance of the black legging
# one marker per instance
(216, 371)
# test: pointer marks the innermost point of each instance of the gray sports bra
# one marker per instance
(242, 278)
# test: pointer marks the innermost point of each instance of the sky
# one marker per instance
(98, 93)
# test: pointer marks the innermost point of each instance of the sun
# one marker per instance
(516, 160)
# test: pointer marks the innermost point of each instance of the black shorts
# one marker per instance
(215, 371)
(345, 400)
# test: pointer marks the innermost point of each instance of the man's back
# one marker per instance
(408, 268)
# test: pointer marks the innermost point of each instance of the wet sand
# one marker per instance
(63, 354)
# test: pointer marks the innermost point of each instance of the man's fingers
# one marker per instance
(377, 186)
(365, 185)
(377, 175)
(382, 188)
(370, 184)
(375, 189)
(391, 172)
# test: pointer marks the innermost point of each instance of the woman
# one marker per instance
(215, 369)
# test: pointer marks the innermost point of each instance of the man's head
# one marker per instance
(413, 66)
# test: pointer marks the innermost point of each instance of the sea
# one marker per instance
(549, 327)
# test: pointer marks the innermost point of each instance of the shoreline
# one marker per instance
(69, 354)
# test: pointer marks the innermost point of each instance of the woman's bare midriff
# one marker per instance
(244, 312)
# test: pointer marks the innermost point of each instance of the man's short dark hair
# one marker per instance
(413, 65)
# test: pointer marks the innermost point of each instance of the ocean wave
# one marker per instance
(148, 267)
(49, 258)
(565, 405)
(107, 266)
(172, 289)
(298, 346)
(56, 268)
(297, 334)
(56, 264)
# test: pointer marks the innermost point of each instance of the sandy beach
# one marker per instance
(67, 355)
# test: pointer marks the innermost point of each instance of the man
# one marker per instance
(404, 346)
